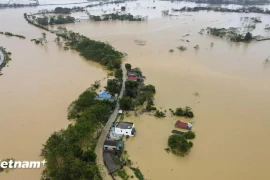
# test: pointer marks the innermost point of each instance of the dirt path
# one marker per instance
(99, 147)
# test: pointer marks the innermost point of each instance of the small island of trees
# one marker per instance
(6, 58)
(11, 34)
(252, 9)
(231, 34)
(179, 144)
(117, 16)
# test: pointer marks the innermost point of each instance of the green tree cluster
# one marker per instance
(160, 114)
(179, 145)
(113, 86)
(11, 34)
(137, 173)
(34, 24)
(187, 112)
(43, 21)
(61, 10)
(98, 51)
(190, 135)
(61, 20)
(70, 153)
(118, 74)
(128, 66)
(126, 103)
(131, 88)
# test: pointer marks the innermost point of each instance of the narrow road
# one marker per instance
(99, 147)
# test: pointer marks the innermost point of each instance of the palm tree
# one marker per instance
(44, 37)
(188, 112)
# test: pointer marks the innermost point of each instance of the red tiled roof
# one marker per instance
(132, 78)
(180, 124)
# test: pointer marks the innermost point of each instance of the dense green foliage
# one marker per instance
(61, 20)
(116, 16)
(179, 145)
(123, 174)
(45, 20)
(160, 114)
(131, 88)
(37, 25)
(118, 73)
(10, 34)
(250, 9)
(128, 66)
(86, 102)
(7, 58)
(230, 33)
(70, 153)
(137, 173)
(37, 41)
(61, 10)
(138, 91)
(113, 86)
(190, 135)
(187, 112)
(125, 103)
(100, 52)
(248, 37)
(146, 94)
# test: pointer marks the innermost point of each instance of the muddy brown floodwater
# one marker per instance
(35, 91)
(232, 117)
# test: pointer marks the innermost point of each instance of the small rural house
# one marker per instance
(117, 146)
(131, 78)
(183, 125)
(103, 95)
(125, 128)
(108, 159)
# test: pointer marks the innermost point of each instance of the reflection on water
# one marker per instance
(231, 114)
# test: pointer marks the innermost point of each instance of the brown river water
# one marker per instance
(231, 112)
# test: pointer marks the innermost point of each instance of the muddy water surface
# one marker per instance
(231, 113)
(35, 91)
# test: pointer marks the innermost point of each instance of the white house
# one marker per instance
(125, 128)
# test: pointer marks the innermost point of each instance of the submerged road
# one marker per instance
(99, 147)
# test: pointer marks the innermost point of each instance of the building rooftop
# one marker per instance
(109, 162)
(124, 125)
(110, 143)
(130, 78)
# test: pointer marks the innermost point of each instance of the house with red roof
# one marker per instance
(130, 78)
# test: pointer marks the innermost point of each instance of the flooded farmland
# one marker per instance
(231, 111)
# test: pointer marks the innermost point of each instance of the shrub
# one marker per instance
(179, 144)
(190, 135)
(137, 173)
(160, 114)
(128, 66)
